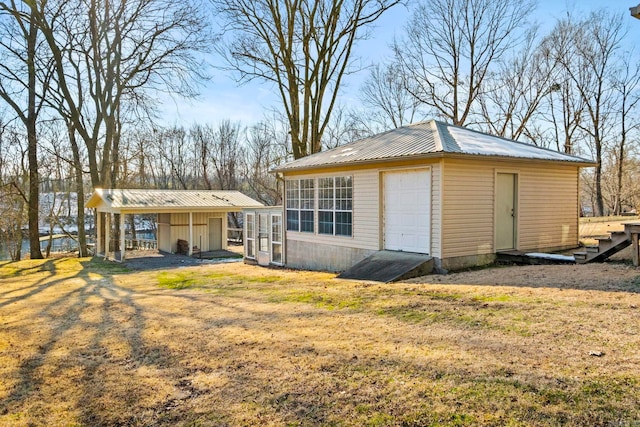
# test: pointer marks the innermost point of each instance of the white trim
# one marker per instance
(516, 208)
(272, 242)
(190, 251)
(107, 234)
(123, 249)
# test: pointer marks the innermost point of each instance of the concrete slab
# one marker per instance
(533, 258)
(390, 266)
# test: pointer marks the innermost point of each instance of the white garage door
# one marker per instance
(407, 210)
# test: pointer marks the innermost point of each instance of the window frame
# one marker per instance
(335, 200)
(263, 232)
(273, 233)
(300, 205)
(250, 225)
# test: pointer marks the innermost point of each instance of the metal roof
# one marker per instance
(130, 200)
(428, 139)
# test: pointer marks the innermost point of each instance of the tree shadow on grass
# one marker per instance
(93, 351)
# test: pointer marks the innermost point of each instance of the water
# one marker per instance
(63, 244)
(4, 251)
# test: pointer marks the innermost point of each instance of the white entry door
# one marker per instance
(407, 210)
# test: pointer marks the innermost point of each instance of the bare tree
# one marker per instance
(266, 148)
(13, 184)
(304, 47)
(450, 47)
(110, 57)
(627, 84)
(220, 150)
(588, 50)
(514, 93)
(23, 83)
(341, 129)
(174, 149)
(388, 96)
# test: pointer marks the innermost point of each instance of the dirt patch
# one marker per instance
(608, 276)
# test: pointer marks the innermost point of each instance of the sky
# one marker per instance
(222, 98)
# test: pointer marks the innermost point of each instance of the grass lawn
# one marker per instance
(84, 342)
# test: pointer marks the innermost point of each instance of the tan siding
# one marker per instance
(436, 210)
(467, 212)
(547, 206)
(180, 228)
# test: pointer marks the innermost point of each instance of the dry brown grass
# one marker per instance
(85, 343)
(591, 228)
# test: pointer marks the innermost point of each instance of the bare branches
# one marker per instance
(304, 47)
(449, 49)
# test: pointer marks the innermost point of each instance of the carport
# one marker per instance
(196, 216)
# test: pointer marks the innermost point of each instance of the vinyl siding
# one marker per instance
(368, 205)
(180, 228)
(547, 206)
(467, 208)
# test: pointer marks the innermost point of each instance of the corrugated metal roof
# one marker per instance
(147, 200)
(423, 140)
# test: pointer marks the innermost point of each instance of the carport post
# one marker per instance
(99, 238)
(107, 234)
(122, 248)
(191, 234)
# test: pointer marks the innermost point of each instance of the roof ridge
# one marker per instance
(437, 138)
(510, 140)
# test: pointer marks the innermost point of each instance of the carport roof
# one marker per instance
(157, 201)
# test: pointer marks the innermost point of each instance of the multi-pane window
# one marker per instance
(251, 236)
(335, 206)
(300, 195)
(263, 232)
(276, 238)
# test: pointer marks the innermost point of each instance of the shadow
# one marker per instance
(119, 352)
(49, 266)
(92, 334)
(147, 260)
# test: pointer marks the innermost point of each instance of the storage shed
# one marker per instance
(198, 217)
(456, 194)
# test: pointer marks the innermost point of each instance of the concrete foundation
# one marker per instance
(322, 257)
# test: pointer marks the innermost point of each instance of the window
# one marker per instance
(276, 238)
(251, 236)
(335, 206)
(300, 205)
(263, 232)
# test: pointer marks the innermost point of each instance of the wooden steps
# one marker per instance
(607, 246)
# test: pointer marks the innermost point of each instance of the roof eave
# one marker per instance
(583, 163)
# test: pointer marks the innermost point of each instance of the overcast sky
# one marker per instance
(223, 99)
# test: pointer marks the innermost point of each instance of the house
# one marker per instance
(456, 194)
(199, 217)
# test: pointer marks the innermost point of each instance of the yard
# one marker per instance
(85, 342)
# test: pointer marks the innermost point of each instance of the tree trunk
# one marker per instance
(77, 167)
(32, 140)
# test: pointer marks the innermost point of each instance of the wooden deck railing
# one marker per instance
(234, 234)
(141, 244)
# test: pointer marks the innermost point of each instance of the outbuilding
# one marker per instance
(198, 217)
(458, 195)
